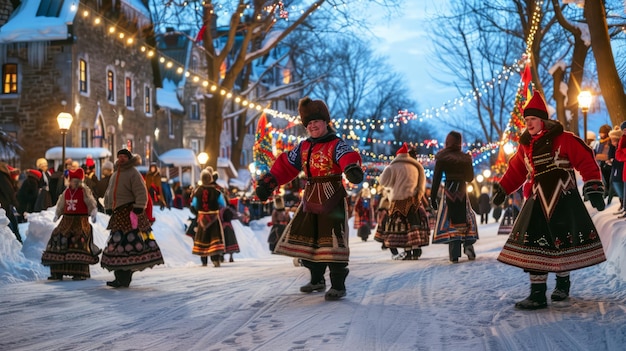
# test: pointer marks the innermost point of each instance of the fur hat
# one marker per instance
(616, 133)
(605, 129)
(125, 152)
(310, 110)
(206, 176)
(279, 203)
(454, 140)
(536, 106)
(403, 150)
(77, 174)
(41, 162)
(591, 135)
(107, 165)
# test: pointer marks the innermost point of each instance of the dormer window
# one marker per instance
(49, 8)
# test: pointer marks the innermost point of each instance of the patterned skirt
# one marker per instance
(70, 249)
(317, 237)
(209, 239)
(129, 248)
(230, 239)
(566, 242)
(448, 227)
(406, 226)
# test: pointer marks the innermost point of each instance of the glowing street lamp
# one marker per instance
(203, 158)
(65, 121)
(584, 101)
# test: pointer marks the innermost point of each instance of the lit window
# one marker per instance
(110, 86)
(129, 92)
(82, 76)
(147, 99)
(9, 78)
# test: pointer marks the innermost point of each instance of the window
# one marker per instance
(82, 79)
(110, 86)
(98, 134)
(129, 92)
(50, 8)
(84, 140)
(147, 100)
(194, 145)
(9, 78)
(194, 114)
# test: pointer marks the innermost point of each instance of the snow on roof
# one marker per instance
(179, 157)
(26, 26)
(77, 153)
(167, 97)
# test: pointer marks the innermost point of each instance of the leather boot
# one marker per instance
(561, 291)
(537, 299)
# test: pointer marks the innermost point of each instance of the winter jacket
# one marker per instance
(405, 177)
(126, 186)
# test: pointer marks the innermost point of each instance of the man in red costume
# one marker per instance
(318, 232)
(553, 232)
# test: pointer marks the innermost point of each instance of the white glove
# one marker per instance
(94, 219)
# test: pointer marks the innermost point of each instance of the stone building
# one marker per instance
(88, 59)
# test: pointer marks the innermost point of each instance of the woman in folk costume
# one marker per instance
(456, 221)
(205, 204)
(318, 232)
(553, 232)
(131, 246)
(231, 245)
(407, 224)
(153, 183)
(70, 249)
(363, 213)
(280, 219)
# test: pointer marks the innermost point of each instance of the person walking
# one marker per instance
(131, 246)
(103, 183)
(280, 219)
(70, 249)
(484, 205)
(44, 200)
(617, 168)
(407, 223)
(620, 155)
(553, 232)
(318, 232)
(27, 194)
(456, 221)
(206, 202)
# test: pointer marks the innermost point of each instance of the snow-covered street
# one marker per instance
(254, 303)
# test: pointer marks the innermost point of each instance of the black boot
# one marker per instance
(537, 299)
(416, 254)
(561, 291)
(454, 250)
(338, 274)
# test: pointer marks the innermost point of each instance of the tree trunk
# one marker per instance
(213, 128)
(579, 57)
(608, 78)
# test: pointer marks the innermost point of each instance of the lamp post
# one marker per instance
(584, 101)
(65, 121)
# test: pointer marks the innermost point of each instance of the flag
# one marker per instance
(527, 78)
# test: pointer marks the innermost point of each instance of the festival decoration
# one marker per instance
(262, 151)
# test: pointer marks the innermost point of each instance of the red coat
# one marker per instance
(620, 154)
(315, 159)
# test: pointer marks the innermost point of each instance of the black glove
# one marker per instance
(354, 173)
(265, 186)
(499, 194)
(108, 211)
(137, 210)
(594, 191)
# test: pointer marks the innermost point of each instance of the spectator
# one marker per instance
(8, 199)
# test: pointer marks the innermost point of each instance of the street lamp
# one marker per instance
(203, 158)
(584, 101)
(65, 121)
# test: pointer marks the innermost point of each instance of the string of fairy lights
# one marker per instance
(346, 126)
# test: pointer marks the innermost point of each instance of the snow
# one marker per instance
(168, 98)
(25, 26)
(254, 303)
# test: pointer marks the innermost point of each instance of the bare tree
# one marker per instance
(255, 27)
